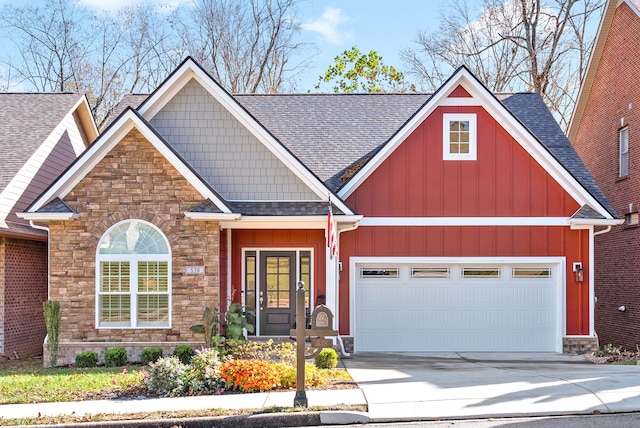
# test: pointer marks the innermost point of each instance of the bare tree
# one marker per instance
(248, 46)
(513, 45)
(51, 43)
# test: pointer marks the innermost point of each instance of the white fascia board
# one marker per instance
(190, 70)
(47, 216)
(286, 222)
(584, 223)
(504, 117)
(83, 104)
(212, 216)
(97, 151)
(464, 221)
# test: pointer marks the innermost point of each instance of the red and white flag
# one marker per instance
(331, 234)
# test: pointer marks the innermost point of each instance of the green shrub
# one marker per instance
(86, 359)
(168, 376)
(184, 353)
(327, 359)
(115, 357)
(150, 355)
(204, 372)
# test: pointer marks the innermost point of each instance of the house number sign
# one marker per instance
(194, 270)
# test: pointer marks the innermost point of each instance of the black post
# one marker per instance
(301, 395)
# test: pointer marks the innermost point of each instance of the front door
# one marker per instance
(277, 292)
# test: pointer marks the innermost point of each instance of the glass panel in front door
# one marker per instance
(277, 285)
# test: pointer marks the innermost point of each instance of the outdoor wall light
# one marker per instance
(577, 268)
(622, 308)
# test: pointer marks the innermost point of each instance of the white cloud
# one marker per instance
(327, 25)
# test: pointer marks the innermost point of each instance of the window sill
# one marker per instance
(625, 178)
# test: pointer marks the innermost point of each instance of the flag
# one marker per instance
(332, 243)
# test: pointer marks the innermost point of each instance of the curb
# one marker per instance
(264, 420)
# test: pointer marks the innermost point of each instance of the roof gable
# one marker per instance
(548, 157)
(42, 134)
(189, 70)
(128, 120)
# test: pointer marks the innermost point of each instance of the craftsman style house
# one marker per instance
(41, 135)
(464, 221)
(604, 130)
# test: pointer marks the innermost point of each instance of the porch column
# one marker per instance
(332, 285)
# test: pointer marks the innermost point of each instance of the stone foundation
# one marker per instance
(579, 345)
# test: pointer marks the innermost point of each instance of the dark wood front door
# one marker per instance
(277, 292)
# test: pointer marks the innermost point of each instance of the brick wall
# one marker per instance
(134, 181)
(614, 101)
(25, 288)
(2, 246)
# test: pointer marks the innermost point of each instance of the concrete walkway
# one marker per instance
(410, 387)
(413, 387)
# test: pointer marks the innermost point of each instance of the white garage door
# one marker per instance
(457, 307)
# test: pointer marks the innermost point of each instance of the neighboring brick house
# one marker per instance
(463, 220)
(605, 131)
(41, 135)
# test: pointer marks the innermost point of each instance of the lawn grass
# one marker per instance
(30, 383)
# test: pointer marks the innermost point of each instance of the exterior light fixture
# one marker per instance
(577, 268)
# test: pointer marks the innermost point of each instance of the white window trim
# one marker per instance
(472, 119)
(623, 172)
(133, 260)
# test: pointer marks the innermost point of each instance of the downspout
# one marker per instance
(46, 229)
(342, 350)
(603, 231)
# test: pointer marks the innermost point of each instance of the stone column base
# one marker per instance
(579, 345)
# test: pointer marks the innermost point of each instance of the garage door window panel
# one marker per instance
(474, 273)
(382, 273)
(535, 273)
(430, 273)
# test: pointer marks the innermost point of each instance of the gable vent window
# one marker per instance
(459, 137)
(624, 152)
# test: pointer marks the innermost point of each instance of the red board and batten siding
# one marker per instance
(504, 181)
(274, 239)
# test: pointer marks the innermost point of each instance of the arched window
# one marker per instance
(133, 277)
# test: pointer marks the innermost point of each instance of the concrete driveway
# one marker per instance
(407, 386)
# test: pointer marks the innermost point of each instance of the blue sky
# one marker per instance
(384, 26)
(335, 25)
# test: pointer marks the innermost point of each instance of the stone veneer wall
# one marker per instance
(134, 181)
(579, 345)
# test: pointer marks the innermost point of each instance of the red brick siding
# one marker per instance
(134, 181)
(25, 288)
(615, 96)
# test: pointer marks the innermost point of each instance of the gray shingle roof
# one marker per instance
(586, 212)
(57, 205)
(27, 119)
(330, 133)
(531, 110)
